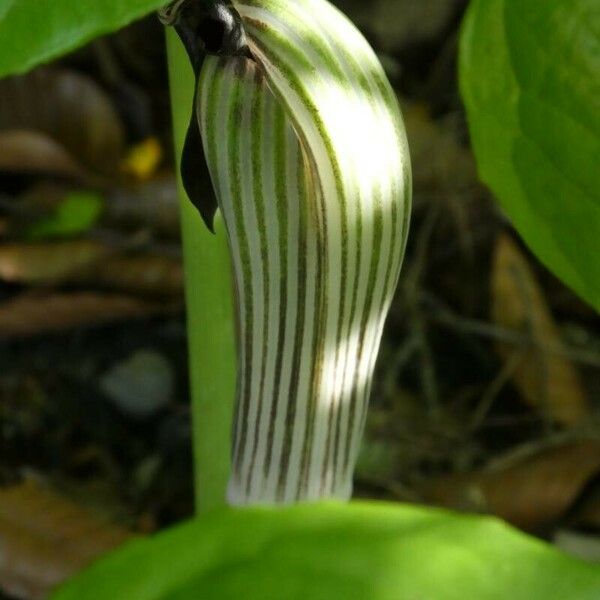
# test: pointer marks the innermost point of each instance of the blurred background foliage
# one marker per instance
(487, 386)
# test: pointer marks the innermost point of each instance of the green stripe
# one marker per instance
(354, 69)
(213, 76)
(301, 312)
(281, 211)
(258, 141)
(301, 52)
(335, 410)
(321, 310)
(377, 242)
(318, 349)
(233, 125)
(282, 44)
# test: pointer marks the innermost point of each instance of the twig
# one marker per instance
(412, 294)
(489, 396)
(444, 316)
(589, 431)
(397, 364)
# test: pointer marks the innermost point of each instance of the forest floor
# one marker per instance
(486, 395)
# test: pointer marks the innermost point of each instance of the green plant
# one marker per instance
(317, 220)
(209, 299)
(321, 551)
(350, 552)
(529, 78)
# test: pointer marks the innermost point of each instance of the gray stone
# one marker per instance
(141, 385)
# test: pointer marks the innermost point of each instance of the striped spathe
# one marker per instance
(307, 152)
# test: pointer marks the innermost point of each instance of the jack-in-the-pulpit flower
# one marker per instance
(307, 152)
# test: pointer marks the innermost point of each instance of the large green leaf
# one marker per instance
(330, 552)
(529, 77)
(35, 31)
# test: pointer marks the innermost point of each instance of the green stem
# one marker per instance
(210, 313)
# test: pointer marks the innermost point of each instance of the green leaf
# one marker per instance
(330, 552)
(529, 78)
(34, 32)
(77, 213)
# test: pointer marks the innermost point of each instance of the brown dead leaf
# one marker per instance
(545, 378)
(145, 274)
(48, 262)
(35, 314)
(33, 151)
(531, 494)
(45, 539)
(69, 109)
(94, 263)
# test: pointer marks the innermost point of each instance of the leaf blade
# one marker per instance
(533, 114)
(359, 552)
(32, 35)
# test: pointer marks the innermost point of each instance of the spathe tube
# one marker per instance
(308, 157)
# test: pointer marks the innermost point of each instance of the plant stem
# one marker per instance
(210, 315)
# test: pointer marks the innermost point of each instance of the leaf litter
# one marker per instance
(487, 389)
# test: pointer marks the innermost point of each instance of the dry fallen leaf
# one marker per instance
(68, 108)
(35, 314)
(545, 378)
(93, 263)
(533, 493)
(45, 539)
(145, 274)
(45, 263)
(33, 151)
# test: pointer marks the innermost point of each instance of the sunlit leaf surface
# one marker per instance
(331, 552)
(33, 32)
(529, 78)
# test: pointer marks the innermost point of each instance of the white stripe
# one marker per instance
(368, 149)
